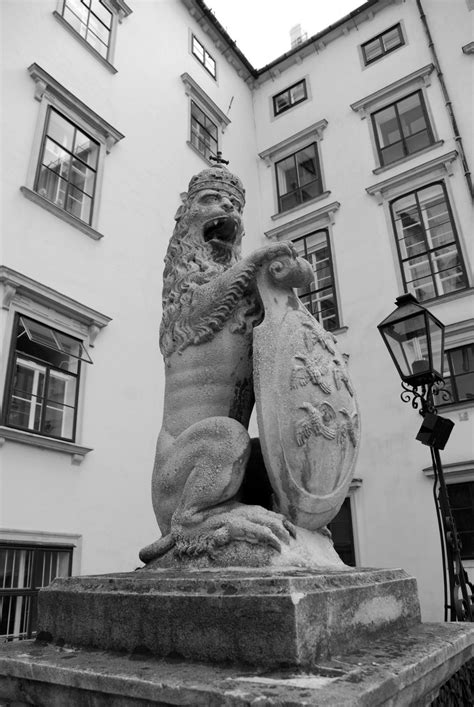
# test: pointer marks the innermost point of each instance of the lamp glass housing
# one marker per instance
(415, 340)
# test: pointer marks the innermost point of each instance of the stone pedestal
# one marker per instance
(260, 617)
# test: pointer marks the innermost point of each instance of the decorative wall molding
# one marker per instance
(76, 451)
(417, 79)
(194, 91)
(311, 221)
(457, 471)
(468, 48)
(290, 144)
(436, 168)
(46, 84)
(18, 287)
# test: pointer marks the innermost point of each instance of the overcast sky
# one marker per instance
(261, 28)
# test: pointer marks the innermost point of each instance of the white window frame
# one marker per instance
(315, 220)
(50, 93)
(119, 10)
(192, 36)
(437, 169)
(387, 95)
(24, 296)
(455, 473)
(365, 66)
(288, 147)
(456, 335)
(195, 93)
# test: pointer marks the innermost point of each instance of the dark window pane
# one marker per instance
(461, 498)
(392, 153)
(412, 118)
(298, 92)
(387, 126)
(306, 163)
(282, 101)
(342, 534)
(372, 50)
(392, 38)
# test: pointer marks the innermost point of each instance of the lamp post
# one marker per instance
(415, 340)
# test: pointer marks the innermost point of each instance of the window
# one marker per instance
(92, 20)
(290, 97)
(67, 167)
(298, 178)
(402, 128)
(43, 382)
(427, 243)
(459, 374)
(461, 498)
(320, 296)
(203, 56)
(382, 44)
(24, 569)
(203, 132)
(343, 535)
(67, 160)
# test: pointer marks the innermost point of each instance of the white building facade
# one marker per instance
(345, 145)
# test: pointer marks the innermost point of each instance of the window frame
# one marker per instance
(206, 54)
(194, 134)
(118, 9)
(50, 93)
(313, 290)
(10, 382)
(31, 591)
(470, 482)
(449, 374)
(380, 36)
(403, 139)
(428, 251)
(290, 104)
(195, 94)
(300, 187)
(50, 110)
(26, 297)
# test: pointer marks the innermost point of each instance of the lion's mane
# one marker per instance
(189, 263)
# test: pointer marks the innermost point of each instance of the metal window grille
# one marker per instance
(320, 296)
(24, 569)
(428, 248)
(67, 168)
(92, 20)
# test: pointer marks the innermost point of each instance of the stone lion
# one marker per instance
(210, 307)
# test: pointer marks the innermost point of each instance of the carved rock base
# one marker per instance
(309, 549)
(260, 617)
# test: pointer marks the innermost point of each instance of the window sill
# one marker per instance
(407, 158)
(60, 213)
(84, 43)
(451, 407)
(448, 298)
(58, 445)
(282, 214)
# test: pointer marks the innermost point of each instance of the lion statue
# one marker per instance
(210, 306)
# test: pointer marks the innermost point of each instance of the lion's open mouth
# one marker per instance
(222, 230)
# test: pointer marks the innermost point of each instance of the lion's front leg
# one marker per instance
(212, 455)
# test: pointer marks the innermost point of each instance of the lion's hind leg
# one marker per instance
(212, 456)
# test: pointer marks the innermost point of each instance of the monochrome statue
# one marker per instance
(234, 332)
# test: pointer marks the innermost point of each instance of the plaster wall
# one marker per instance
(107, 498)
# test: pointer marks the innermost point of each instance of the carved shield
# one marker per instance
(306, 409)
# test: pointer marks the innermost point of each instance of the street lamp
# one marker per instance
(415, 340)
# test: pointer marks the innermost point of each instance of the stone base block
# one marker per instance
(397, 670)
(259, 617)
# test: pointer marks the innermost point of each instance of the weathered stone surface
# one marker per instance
(203, 504)
(397, 670)
(306, 409)
(259, 617)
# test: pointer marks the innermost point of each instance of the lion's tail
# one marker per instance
(157, 549)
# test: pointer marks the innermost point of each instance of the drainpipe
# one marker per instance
(449, 105)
